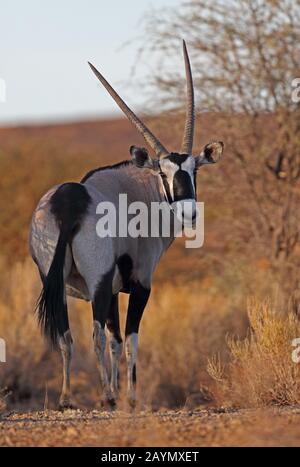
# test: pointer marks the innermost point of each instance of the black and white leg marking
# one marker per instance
(65, 343)
(101, 305)
(115, 343)
(137, 301)
(66, 347)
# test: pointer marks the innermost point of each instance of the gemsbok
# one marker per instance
(74, 260)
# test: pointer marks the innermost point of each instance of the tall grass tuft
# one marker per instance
(261, 370)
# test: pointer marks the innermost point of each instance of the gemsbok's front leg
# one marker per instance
(101, 304)
(115, 344)
(137, 301)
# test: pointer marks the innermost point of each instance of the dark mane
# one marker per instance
(118, 165)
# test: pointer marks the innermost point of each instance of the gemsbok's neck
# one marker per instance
(139, 185)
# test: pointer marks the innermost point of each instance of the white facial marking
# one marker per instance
(169, 169)
(189, 166)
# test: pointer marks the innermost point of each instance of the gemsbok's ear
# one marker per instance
(141, 158)
(210, 154)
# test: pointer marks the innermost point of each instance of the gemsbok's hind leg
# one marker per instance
(137, 301)
(115, 344)
(101, 303)
(65, 343)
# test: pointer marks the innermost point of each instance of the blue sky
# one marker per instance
(44, 48)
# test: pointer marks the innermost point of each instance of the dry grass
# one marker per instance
(25, 347)
(182, 326)
(261, 370)
(2, 401)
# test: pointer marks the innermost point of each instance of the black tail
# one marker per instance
(68, 205)
(51, 306)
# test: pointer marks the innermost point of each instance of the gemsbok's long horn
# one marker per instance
(187, 142)
(153, 142)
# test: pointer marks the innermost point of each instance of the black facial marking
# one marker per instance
(182, 186)
(69, 204)
(125, 266)
(177, 158)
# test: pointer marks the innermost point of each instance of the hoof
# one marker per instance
(112, 402)
(108, 403)
(66, 405)
(132, 403)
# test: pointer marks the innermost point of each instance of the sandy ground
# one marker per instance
(211, 427)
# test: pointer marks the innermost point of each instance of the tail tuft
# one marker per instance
(51, 306)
